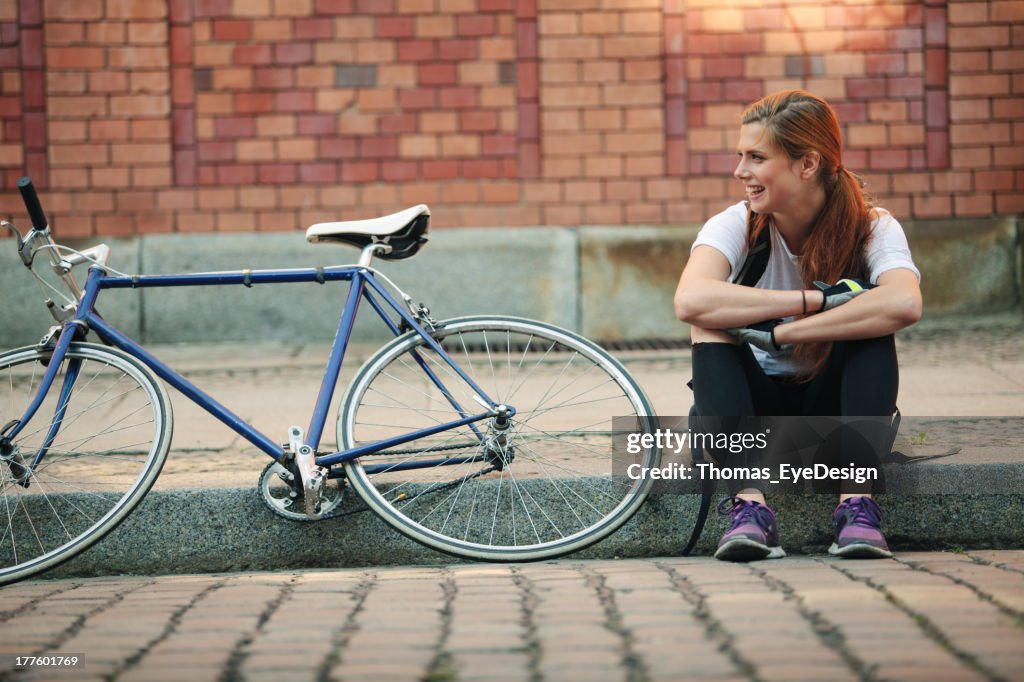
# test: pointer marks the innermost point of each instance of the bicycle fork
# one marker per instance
(21, 471)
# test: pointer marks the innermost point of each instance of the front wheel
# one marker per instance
(103, 446)
(544, 484)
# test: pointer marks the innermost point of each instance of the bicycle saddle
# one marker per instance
(405, 232)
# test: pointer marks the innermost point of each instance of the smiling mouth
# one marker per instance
(754, 191)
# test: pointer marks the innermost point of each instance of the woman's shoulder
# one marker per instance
(732, 217)
(726, 232)
(883, 222)
(880, 215)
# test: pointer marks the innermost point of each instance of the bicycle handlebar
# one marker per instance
(31, 199)
(39, 237)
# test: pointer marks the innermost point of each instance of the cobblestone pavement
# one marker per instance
(923, 616)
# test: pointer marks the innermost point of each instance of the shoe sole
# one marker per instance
(859, 550)
(742, 549)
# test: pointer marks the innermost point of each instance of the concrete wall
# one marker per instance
(611, 283)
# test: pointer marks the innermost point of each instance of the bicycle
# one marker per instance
(487, 437)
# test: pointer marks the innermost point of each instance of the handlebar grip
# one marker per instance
(35, 209)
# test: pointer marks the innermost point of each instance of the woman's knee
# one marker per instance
(870, 377)
(879, 347)
(701, 335)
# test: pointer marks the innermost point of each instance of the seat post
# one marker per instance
(371, 250)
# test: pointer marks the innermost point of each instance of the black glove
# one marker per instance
(760, 335)
(841, 292)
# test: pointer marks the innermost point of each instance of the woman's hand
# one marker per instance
(892, 305)
(842, 291)
(760, 335)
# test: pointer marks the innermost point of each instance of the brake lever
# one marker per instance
(26, 249)
(20, 239)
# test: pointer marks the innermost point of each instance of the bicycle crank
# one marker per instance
(311, 476)
(278, 489)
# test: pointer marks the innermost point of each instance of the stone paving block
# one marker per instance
(379, 671)
(514, 662)
(284, 663)
(170, 673)
(798, 670)
(928, 672)
(1011, 561)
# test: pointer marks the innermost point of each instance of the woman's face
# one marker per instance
(772, 179)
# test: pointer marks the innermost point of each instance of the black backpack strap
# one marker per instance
(707, 491)
(749, 275)
(757, 260)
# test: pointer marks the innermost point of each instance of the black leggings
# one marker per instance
(859, 379)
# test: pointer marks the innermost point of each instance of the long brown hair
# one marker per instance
(799, 122)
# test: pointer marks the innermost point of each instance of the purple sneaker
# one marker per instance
(858, 522)
(754, 533)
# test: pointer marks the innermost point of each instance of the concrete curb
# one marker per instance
(218, 530)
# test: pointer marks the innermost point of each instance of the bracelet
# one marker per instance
(803, 296)
(774, 342)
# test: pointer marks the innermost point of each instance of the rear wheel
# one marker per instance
(112, 436)
(546, 484)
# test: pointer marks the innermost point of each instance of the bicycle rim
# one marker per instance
(551, 483)
(109, 448)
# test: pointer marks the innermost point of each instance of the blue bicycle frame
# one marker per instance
(364, 285)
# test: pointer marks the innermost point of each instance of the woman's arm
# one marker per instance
(894, 304)
(704, 297)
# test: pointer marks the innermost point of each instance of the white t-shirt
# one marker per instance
(726, 232)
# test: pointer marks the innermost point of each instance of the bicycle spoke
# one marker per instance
(538, 412)
(109, 433)
(529, 517)
(540, 485)
(10, 516)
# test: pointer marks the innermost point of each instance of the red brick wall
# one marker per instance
(216, 115)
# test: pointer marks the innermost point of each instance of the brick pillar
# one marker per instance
(936, 83)
(675, 88)
(528, 78)
(183, 106)
(33, 91)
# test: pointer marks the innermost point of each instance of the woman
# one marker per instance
(789, 344)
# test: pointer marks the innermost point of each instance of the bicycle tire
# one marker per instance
(568, 493)
(111, 445)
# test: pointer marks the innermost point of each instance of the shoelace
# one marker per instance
(862, 512)
(745, 510)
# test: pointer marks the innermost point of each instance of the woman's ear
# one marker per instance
(809, 165)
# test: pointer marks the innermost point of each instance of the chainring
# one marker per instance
(277, 490)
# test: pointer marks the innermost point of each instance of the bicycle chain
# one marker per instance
(420, 452)
(344, 484)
